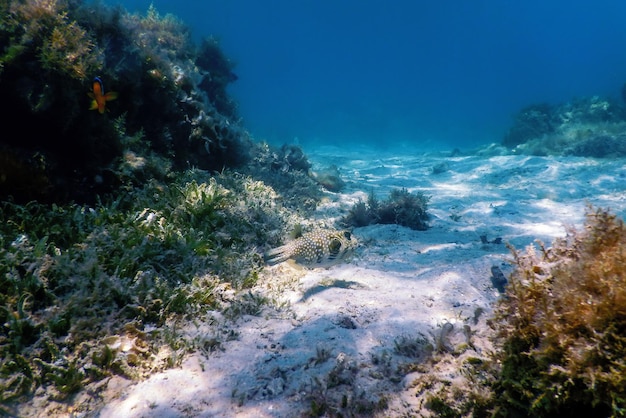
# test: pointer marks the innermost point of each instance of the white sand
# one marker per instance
(335, 337)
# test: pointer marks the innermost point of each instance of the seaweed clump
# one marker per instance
(89, 292)
(401, 207)
(562, 326)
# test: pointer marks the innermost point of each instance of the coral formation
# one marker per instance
(562, 326)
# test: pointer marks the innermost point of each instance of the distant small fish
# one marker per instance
(100, 98)
(322, 248)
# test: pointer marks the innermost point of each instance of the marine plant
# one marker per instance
(562, 326)
(335, 394)
(401, 207)
(79, 285)
(42, 30)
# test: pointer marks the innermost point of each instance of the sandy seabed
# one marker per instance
(343, 334)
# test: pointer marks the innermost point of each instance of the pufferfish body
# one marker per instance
(322, 248)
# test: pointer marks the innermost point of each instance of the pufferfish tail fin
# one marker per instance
(277, 255)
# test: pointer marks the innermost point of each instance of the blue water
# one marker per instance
(436, 74)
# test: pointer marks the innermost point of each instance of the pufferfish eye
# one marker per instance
(334, 246)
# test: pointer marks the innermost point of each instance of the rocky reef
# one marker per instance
(591, 127)
(171, 111)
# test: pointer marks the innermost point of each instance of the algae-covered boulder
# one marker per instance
(162, 97)
(586, 127)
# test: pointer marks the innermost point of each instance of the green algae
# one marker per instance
(72, 277)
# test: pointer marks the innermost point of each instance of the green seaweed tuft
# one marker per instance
(401, 207)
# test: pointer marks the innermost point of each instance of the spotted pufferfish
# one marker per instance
(321, 248)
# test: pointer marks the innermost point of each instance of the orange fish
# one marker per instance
(100, 99)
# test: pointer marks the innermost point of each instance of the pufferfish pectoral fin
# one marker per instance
(276, 255)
